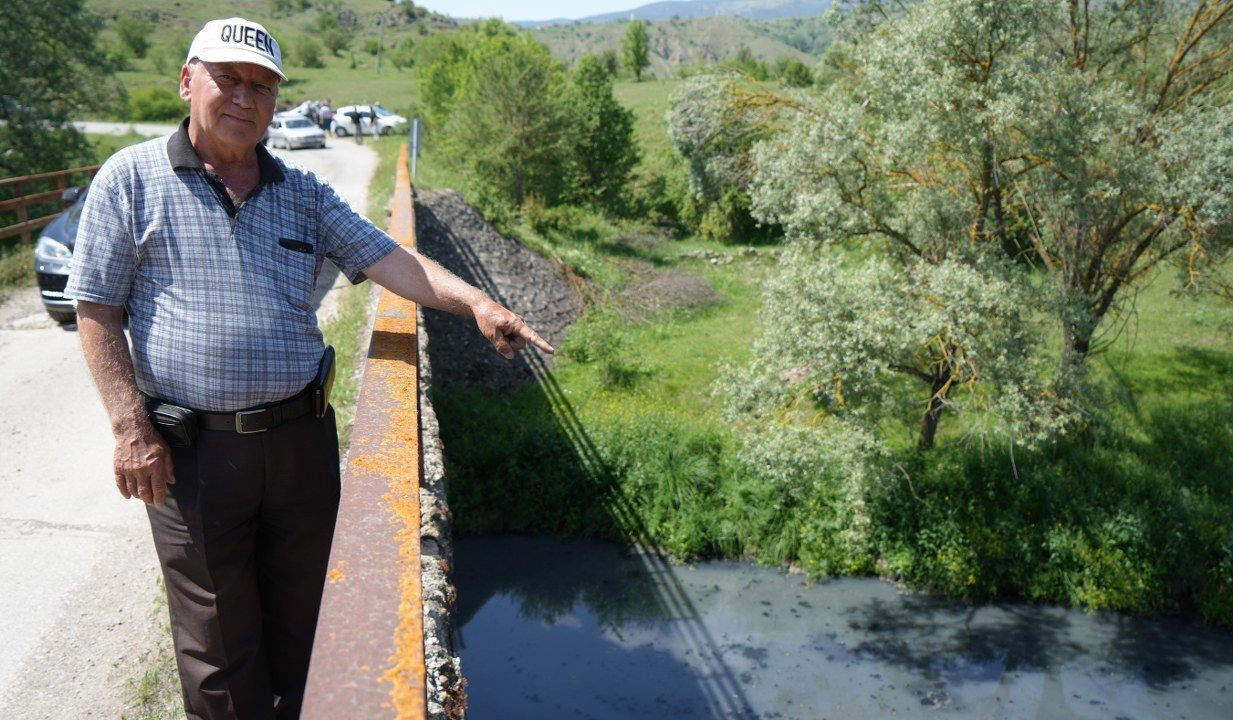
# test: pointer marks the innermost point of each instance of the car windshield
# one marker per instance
(298, 124)
(382, 112)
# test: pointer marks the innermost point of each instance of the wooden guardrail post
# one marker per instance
(368, 656)
(23, 216)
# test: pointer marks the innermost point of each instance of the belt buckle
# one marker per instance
(239, 421)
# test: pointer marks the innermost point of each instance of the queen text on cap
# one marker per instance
(237, 40)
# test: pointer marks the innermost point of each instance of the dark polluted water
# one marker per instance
(552, 628)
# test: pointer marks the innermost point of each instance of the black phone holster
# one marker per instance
(176, 424)
(323, 383)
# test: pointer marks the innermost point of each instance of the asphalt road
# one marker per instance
(78, 574)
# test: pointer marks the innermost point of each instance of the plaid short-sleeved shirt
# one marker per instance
(219, 299)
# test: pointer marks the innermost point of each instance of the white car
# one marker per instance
(387, 122)
(295, 132)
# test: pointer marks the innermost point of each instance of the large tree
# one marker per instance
(715, 121)
(501, 98)
(1091, 139)
(604, 149)
(636, 49)
(50, 71)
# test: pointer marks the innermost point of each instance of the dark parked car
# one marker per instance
(53, 256)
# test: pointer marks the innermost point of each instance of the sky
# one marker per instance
(528, 9)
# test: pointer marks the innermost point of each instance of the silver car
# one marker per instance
(53, 256)
(295, 132)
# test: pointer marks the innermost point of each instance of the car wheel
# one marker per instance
(63, 317)
(387, 130)
(341, 131)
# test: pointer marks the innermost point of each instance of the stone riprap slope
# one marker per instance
(454, 234)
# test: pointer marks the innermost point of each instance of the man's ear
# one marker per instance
(186, 74)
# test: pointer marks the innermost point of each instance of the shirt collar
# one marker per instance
(181, 154)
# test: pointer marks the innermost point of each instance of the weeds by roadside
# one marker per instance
(155, 693)
(345, 331)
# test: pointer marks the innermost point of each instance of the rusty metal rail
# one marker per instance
(19, 202)
(368, 657)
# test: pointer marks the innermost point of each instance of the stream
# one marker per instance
(553, 628)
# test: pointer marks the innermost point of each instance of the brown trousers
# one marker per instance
(243, 541)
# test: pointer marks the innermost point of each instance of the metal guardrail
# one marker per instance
(368, 655)
(19, 202)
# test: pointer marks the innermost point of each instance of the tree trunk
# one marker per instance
(1076, 342)
(929, 423)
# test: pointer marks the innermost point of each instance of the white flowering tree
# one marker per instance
(863, 342)
(714, 122)
(1092, 139)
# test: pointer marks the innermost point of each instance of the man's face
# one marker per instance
(230, 103)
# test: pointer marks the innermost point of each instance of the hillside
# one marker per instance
(748, 9)
(173, 25)
(358, 74)
(354, 74)
(176, 20)
(681, 42)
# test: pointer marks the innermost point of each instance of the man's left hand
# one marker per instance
(507, 331)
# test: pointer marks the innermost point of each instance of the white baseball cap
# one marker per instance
(237, 40)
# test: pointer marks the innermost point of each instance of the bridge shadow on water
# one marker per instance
(498, 485)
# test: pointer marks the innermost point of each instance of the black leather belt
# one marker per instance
(247, 422)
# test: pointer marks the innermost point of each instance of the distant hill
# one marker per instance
(748, 9)
(173, 24)
(704, 40)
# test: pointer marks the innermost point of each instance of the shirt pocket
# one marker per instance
(295, 271)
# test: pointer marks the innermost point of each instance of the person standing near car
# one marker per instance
(325, 116)
(213, 246)
(372, 121)
(355, 116)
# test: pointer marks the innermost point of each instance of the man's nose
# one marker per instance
(244, 96)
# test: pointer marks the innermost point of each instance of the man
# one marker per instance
(371, 114)
(355, 115)
(214, 246)
(325, 115)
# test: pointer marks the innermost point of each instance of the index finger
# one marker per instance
(531, 336)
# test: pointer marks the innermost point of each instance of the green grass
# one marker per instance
(16, 267)
(649, 102)
(155, 693)
(346, 331)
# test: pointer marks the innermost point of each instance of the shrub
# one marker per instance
(135, 34)
(403, 54)
(308, 52)
(155, 103)
(793, 73)
(600, 338)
